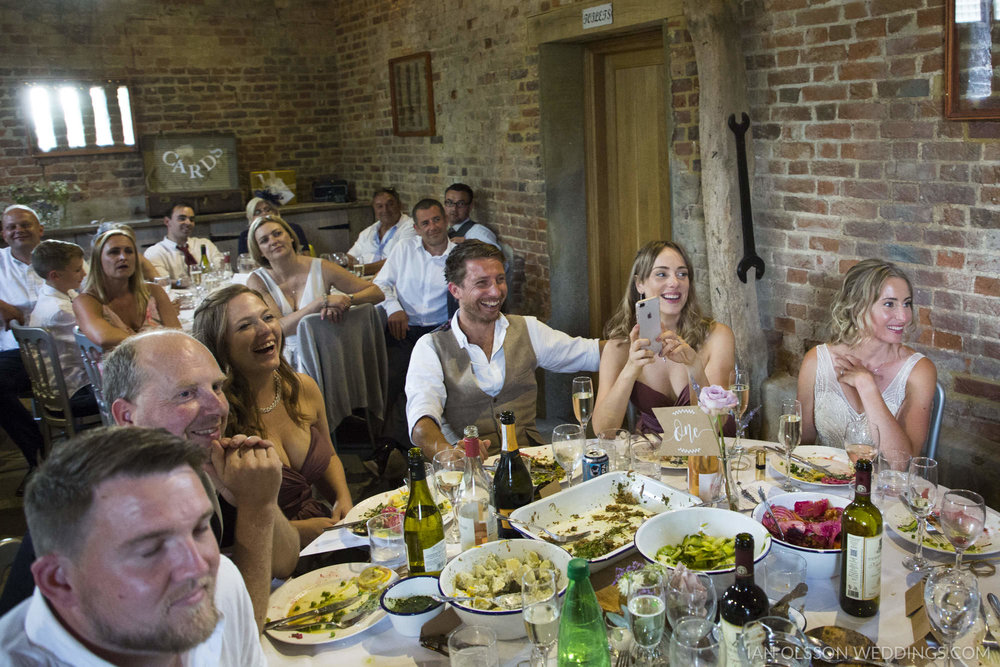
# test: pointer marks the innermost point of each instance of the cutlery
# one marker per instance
(799, 459)
(767, 506)
(995, 603)
(318, 611)
(349, 524)
(780, 608)
(558, 539)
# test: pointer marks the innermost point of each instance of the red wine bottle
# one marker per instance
(742, 602)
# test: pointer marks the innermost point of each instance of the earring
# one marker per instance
(642, 295)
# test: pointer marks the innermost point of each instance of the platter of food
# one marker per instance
(810, 522)
(611, 507)
(325, 586)
(831, 458)
(904, 524)
(542, 463)
(391, 502)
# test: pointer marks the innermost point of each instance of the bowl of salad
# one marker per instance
(811, 524)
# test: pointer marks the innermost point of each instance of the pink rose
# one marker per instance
(715, 400)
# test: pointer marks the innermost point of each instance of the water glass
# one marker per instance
(473, 646)
(385, 540)
(644, 455)
(614, 442)
(790, 434)
(690, 594)
(951, 598)
(963, 515)
(647, 603)
(783, 571)
(449, 468)
(773, 641)
(245, 263)
(891, 480)
(540, 609)
(920, 497)
(567, 448)
(697, 641)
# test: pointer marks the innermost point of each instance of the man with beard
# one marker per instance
(483, 362)
(128, 570)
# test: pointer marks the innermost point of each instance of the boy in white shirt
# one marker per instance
(60, 265)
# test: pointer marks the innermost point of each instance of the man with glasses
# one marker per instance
(457, 205)
(391, 227)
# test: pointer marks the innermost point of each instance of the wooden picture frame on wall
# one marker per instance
(412, 92)
(972, 60)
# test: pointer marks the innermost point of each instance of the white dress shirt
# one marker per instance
(19, 286)
(30, 634)
(478, 232)
(412, 280)
(168, 259)
(370, 248)
(54, 311)
(554, 351)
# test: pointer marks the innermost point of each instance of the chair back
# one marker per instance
(41, 361)
(934, 427)
(92, 354)
(8, 551)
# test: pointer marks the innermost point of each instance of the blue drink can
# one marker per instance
(595, 463)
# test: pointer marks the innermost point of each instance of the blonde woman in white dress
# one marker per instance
(865, 371)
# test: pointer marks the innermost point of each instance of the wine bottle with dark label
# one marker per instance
(512, 486)
(861, 548)
(742, 602)
(423, 528)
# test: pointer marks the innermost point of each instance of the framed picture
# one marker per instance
(183, 163)
(972, 60)
(412, 95)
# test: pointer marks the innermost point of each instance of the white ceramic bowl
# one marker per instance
(820, 563)
(507, 624)
(672, 527)
(409, 624)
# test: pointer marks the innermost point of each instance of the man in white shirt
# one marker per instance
(391, 227)
(19, 289)
(457, 206)
(128, 571)
(178, 251)
(483, 362)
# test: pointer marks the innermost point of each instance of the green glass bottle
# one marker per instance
(861, 548)
(512, 485)
(582, 637)
(423, 528)
(206, 265)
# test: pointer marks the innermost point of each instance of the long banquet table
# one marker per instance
(889, 629)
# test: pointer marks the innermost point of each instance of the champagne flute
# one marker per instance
(690, 594)
(540, 608)
(919, 496)
(567, 448)
(790, 433)
(697, 641)
(951, 598)
(739, 384)
(583, 400)
(647, 604)
(449, 467)
(963, 515)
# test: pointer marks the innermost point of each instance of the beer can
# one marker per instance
(595, 463)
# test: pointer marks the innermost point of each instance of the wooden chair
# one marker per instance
(92, 354)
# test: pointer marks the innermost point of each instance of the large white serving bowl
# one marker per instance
(672, 527)
(507, 624)
(820, 563)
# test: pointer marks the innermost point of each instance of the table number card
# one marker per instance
(687, 431)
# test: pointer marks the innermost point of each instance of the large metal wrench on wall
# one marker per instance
(750, 257)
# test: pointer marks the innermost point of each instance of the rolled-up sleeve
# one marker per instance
(425, 391)
(560, 352)
(386, 280)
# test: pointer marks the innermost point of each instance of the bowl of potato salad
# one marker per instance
(492, 573)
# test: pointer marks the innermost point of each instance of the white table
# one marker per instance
(889, 629)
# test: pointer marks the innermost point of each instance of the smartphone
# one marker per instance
(647, 314)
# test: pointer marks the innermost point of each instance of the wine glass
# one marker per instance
(540, 608)
(963, 515)
(647, 603)
(739, 384)
(583, 400)
(861, 441)
(690, 594)
(790, 432)
(951, 598)
(567, 448)
(920, 496)
(449, 467)
(697, 641)
(341, 258)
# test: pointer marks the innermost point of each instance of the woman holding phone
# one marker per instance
(693, 348)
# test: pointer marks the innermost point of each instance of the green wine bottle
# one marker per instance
(206, 265)
(861, 548)
(423, 528)
(512, 485)
(582, 637)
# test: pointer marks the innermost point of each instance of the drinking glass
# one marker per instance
(951, 598)
(449, 467)
(739, 384)
(690, 594)
(696, 641)
(783, 571)
(772, 641)
(891, 481)
(790, 433)
(861, 441)
(647, 604)
(341, 258)
(963, 515)
(245, 263)
(385, 540)
(920, 496)
(583, 400)
(473, 646)
(614, 442)
(540, 608)
(567, 448)
(644, 456)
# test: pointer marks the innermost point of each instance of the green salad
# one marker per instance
(700, 552)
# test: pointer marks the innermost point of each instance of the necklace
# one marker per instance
(277, 395)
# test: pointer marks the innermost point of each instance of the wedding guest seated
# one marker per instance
(128, 572)
(116, 302)
(391, 227)
(865, 371)
(179, 251)
(149, 272)
(695, 348)
(257, 207)
(296, 286)
(268, 399)
(457, 206)
(60, 264)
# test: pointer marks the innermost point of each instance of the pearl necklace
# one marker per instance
(277, 395)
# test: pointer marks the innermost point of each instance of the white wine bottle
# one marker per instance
(861, 548)
(475, 506)
(423, 528)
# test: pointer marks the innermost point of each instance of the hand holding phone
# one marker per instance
(647, 314)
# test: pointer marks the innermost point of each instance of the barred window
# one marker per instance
(68, 118)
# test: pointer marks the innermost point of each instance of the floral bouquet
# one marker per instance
(717, 403)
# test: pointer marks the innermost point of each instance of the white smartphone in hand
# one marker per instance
(647, 314)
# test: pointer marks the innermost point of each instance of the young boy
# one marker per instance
(60, 265)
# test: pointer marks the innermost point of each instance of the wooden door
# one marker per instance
(628, 188)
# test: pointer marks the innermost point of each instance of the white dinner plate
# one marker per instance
(281, 602)
(830, 457)
(903, 524)
(362, 508)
